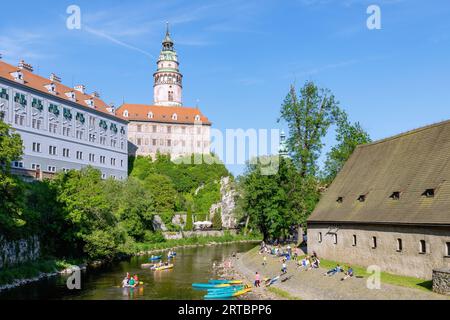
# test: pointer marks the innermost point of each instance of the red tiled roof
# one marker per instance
(37, 82)
(140, 112)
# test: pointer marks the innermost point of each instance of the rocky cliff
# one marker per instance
(226, 205)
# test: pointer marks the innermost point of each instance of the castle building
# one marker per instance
(389, 206)
(62, 128)
(166, 126)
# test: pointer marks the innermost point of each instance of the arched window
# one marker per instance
(174, 116)
(150, 115)
(170, 95)
(197, 118)
(125, 113)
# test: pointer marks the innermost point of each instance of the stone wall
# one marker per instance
(19, 251)
(441, 281)
(409, 261)
(189, 234)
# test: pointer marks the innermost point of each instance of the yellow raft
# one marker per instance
(170, 266)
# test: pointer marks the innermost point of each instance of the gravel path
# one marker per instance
(313, 285)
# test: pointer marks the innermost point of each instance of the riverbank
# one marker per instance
(39, 270)
(149, 248)
(313, 285)
(36, 271)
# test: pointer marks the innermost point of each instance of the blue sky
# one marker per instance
(240, 57)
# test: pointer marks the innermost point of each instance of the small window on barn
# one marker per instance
(340, 199)
(395, 195)
(335, 238)
(429, 193)
(319, 237)
(448, 248)
(374, 242)
(399, 245)
(362, 198)
(422, 246)
(354, 240)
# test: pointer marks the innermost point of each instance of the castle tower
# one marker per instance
(167, 88)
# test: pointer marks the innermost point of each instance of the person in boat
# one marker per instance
(131, 283)
(125, 282)
(136, 279)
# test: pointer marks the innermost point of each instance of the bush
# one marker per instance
(154, 237)
(100, 244)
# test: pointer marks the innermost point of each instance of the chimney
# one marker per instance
(95, 94)
(55, 78)
(25, 66)
(80, 88)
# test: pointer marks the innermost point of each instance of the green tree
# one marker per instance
(11, 188)
(267, 200)
(348, 137)
(134, 207)
(308, 117)
(189, 223)
(217, 219)
(162, 191)
(86, 207)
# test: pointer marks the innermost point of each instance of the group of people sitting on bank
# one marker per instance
(309, 262)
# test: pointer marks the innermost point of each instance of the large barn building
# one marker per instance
(390, 205)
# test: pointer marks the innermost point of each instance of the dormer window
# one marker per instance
(197, 118)
(18, 76)
(90, 103)
(71, 95)
(362, 198)
(340, 199)
(51, 88)
(395, 195)
(125, 113)
(174, 116)
(429, 193)
(150, 115)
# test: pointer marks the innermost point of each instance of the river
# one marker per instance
(191, 265)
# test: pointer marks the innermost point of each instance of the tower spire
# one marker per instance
(167, 87)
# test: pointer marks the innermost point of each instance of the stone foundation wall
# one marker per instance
(441, 281)
(189, 234)
(409, 261)
(13, 253)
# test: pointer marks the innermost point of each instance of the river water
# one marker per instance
(191, 265)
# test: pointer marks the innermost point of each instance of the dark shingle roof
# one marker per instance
(408, 163)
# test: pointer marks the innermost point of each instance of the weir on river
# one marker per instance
(191, 265)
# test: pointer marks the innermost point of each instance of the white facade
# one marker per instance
(169, 138)
(60, 135)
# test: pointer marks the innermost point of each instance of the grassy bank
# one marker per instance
(33, 269)
(282, 294)
(142, 247)
(388, 278)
